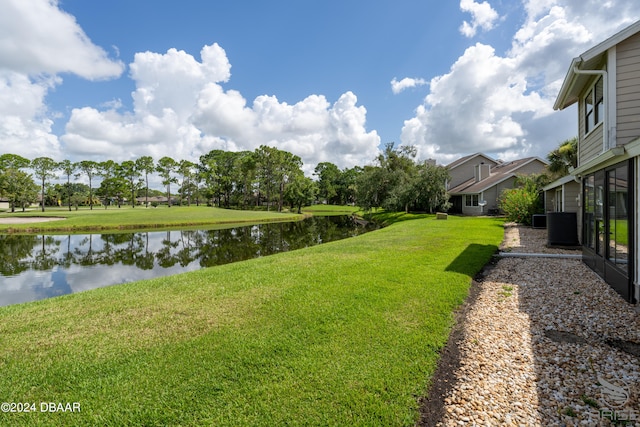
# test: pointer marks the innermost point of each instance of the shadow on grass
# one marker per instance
(470, 262)
(472, 259)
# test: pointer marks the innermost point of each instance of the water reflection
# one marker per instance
(34, 267)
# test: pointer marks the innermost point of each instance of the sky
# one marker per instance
(330, 81)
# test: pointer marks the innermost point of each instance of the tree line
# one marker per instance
(266, 177)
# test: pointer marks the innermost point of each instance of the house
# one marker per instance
(604, 82)
(464, 168)
(160, 200)
(477, 181)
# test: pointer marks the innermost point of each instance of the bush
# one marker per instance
(519, 204)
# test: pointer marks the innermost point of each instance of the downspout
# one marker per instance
(605, 94)
(636, 214)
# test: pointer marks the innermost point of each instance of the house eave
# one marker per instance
(559, 182)
(574, 83)
(609, 157)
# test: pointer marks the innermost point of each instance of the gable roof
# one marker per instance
(591, 59)
(499, 173)
(470, 157)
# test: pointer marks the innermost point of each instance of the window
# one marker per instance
(606, 214)
(594, 106)
(618, 216)
(471, 200)
(589, 237)
(559, 207)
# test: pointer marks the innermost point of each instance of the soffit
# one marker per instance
(593, 59)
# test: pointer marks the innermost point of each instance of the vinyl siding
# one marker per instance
(628, 90)
(571, 192)
(466, 171)
(459, 175)
(591, 144)
(491, 197)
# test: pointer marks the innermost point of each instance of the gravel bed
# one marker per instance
(544, 343)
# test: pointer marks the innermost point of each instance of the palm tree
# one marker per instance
(563, 158)
(69, 168)
(90, 168)
(145, 164)
(44, 168)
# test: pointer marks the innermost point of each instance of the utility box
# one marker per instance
(562, 229)
(539, 221)
(440, 215)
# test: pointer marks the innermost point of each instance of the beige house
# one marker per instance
(562, 195)
(477, 181)
(604, 82)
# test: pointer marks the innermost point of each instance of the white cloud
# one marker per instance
(173, 80)
(37, 37)
(38, 41)
(181, 110)
(482, 16)
(406, 83)
(502, 104)
(474, 102)
(25, 128)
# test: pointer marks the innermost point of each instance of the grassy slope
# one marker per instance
(328, 210)
(345, 333)
(128, 218)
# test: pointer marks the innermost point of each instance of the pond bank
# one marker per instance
(345, 333)
(35, 266)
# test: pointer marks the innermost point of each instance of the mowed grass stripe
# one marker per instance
(345, 333)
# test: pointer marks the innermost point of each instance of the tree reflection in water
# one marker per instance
(37, 267)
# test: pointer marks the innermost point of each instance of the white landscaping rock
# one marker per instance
(519, 363)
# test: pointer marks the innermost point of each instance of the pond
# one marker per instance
(34, 267)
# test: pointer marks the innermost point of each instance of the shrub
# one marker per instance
(519, 204)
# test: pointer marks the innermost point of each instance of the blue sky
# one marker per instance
(290, 49)
(327, 80)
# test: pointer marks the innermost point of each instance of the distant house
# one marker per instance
(477, 181)
(159, 200)
(4, 203)
(604, 82)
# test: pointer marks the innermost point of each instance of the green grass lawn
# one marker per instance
(327, 210)
(137, 218)
(345, 333)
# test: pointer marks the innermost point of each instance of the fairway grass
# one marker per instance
(127, 218)
(345, 333)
